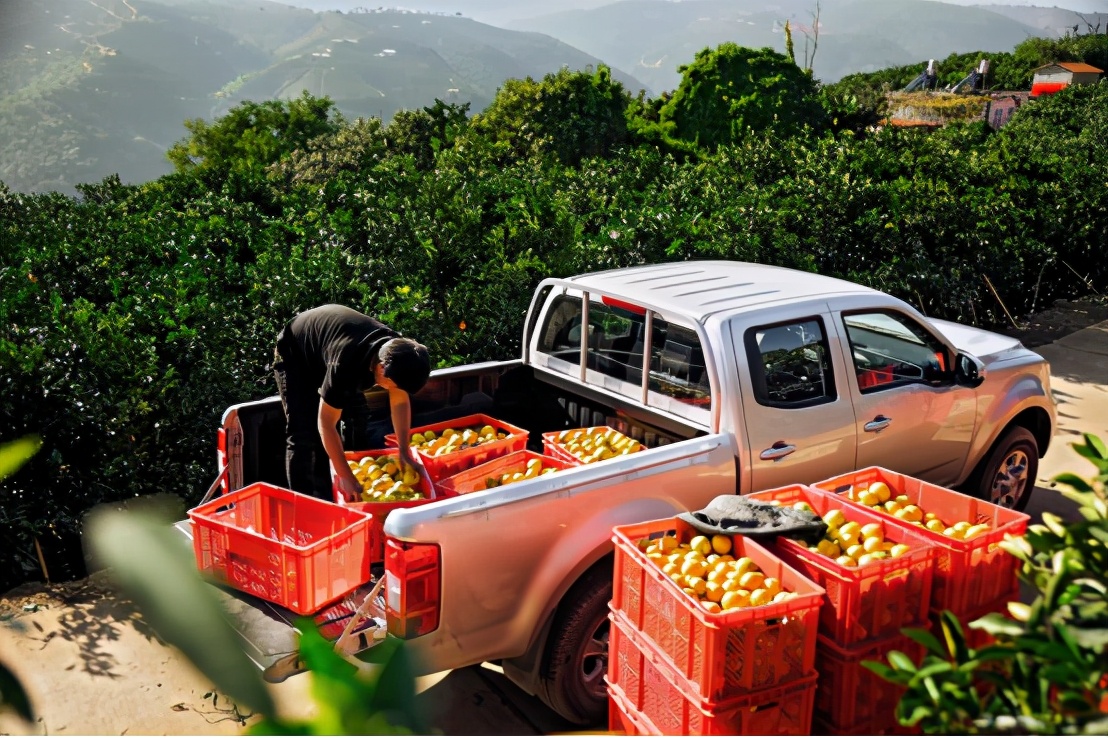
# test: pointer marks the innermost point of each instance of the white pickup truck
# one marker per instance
(736, 377)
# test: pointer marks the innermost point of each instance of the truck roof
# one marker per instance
(701, 288)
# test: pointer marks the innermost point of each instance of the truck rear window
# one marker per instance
(677, 378)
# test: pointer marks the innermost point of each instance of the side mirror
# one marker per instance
(968, 370)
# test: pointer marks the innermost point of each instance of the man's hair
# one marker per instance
(407, 363)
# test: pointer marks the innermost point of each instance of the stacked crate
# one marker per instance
(973, 577)
(677, 669)
(864, 610)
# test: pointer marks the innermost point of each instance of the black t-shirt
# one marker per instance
(337, 347)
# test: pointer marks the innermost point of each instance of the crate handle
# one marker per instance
(215, 485)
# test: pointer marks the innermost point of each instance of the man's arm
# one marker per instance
(332, 443)
(401, 407)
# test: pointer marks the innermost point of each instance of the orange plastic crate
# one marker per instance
(297, 551)
(968, 574)
(862, 602)
(716, 656)
(850, 696)
(783, 710)
(476, 479)
(380, 510)
(551, 447)
(447, 465)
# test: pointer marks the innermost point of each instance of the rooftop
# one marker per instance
(1076, 67)
(700, 288)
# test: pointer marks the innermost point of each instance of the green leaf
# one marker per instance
(1074, 481)
(926, 639)
(158, 572)
(900, 660)
(996, 624)
(885, 672)
(15, 454)
(13, 696)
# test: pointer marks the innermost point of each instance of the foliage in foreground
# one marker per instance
(151, 567)
(1047, 672)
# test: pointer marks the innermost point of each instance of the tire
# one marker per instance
(1007, 475)
(575, 662)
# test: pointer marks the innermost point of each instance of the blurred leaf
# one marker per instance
(15, 454)
(158, 572)
(12, 695)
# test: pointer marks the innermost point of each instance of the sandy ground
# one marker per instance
(92, 667)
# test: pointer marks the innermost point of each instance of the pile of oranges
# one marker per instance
(878, 496)
(706, 571)
(450, 440)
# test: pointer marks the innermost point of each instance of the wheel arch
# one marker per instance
(526, 670)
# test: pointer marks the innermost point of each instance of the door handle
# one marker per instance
(777, 451)
(878, 424)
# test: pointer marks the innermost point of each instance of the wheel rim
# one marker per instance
(594, 661)
(1010, 480)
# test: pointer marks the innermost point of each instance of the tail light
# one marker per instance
(221, 457)
(412, 587)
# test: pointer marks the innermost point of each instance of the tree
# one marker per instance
(253, 135)
(569, 115)
(731, 90)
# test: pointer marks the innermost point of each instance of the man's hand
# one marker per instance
(349, 488)
(409, 461)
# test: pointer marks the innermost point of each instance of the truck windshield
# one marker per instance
(677, 379)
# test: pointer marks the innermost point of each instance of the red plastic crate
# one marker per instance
(850, 696)
(380, 510)
(968, 574)
(551, 447)
(447, 465)
(862, 602)
(475, 479)
(717, 656)
(782, 710)
(298, 551)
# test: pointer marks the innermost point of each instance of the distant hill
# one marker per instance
(651, 38)
(91, 89)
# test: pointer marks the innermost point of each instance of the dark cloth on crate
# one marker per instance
(737, 515)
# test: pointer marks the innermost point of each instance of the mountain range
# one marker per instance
(94, 87)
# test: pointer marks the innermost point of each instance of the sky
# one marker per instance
(489, 10)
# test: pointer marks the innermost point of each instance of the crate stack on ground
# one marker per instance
(675, 668)
(974, 576)
(867, 603)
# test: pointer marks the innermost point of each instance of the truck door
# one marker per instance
(912, 417)
(799, 420)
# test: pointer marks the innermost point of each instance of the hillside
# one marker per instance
(651, 38)
(88, 88)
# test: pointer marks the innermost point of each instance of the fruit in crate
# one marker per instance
(850, 543)
(705, 570)
(596, 443)
(451, 440)
(534, 468)
(878, 496)
(382, 480)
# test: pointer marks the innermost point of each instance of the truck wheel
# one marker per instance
(1008, 474)
(576, 660)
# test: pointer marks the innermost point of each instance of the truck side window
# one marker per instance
(790, 365)
(890, 349)
(677, 364)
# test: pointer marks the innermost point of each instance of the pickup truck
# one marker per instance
(736, 377)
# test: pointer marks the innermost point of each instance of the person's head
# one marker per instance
(404, 363)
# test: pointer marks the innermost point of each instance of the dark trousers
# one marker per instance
(306, 463)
